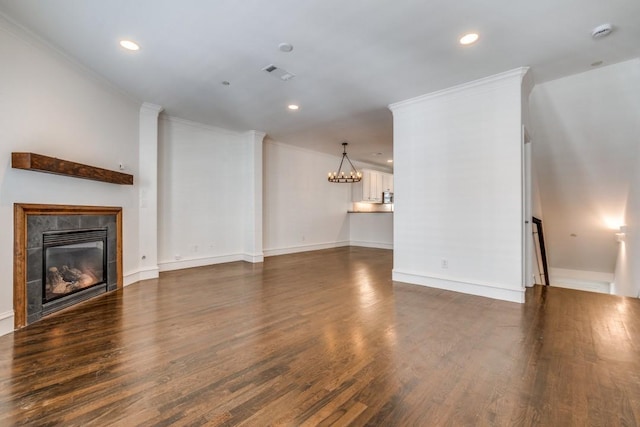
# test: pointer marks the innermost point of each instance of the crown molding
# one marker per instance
(256, 135)
(496, 78)
(148, 107)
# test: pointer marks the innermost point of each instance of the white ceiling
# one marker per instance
(351, 58)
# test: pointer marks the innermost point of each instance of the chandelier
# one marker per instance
(349, 176)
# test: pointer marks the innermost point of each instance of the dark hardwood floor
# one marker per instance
(324, 338)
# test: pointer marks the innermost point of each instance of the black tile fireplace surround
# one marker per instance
(37, 225)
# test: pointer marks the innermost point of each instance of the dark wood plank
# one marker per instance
(323, 338)
(41, 163)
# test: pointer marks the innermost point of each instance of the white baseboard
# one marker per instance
(144, 274)
(6, 322)
(305, 248)
(130, 279)
(479, 289)
(593, 281)
(588, 276)
(253, 258)
(200, 262)
(149, 273)
(600, 287)
(378, 245)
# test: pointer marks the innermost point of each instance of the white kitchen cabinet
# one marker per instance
(375, 187)
(387, 182)
(370, 188)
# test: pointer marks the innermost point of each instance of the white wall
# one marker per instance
(51, 106)
(627, 271)
(458, 188)
(203, 183)
(585, 153)
(536, 211)
(302, 210)
(371, 230)
(536, 202)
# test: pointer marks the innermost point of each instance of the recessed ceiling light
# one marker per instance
(285, 47)
(469, 38)
(293, 107)
(129, 45)
(390, 161)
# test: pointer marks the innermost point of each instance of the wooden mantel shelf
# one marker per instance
(40, 163)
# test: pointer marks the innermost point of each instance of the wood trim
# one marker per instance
(41, 163)
(19, 266)
(21, 211)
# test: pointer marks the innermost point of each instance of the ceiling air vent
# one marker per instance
(280, 73)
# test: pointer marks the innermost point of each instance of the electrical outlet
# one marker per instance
(195, 248)
(444, 263)
(178, 257)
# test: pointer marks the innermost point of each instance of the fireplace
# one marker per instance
(63, 255)
(74, 263)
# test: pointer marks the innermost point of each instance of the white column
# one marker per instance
(147, 181)
(253, 214)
